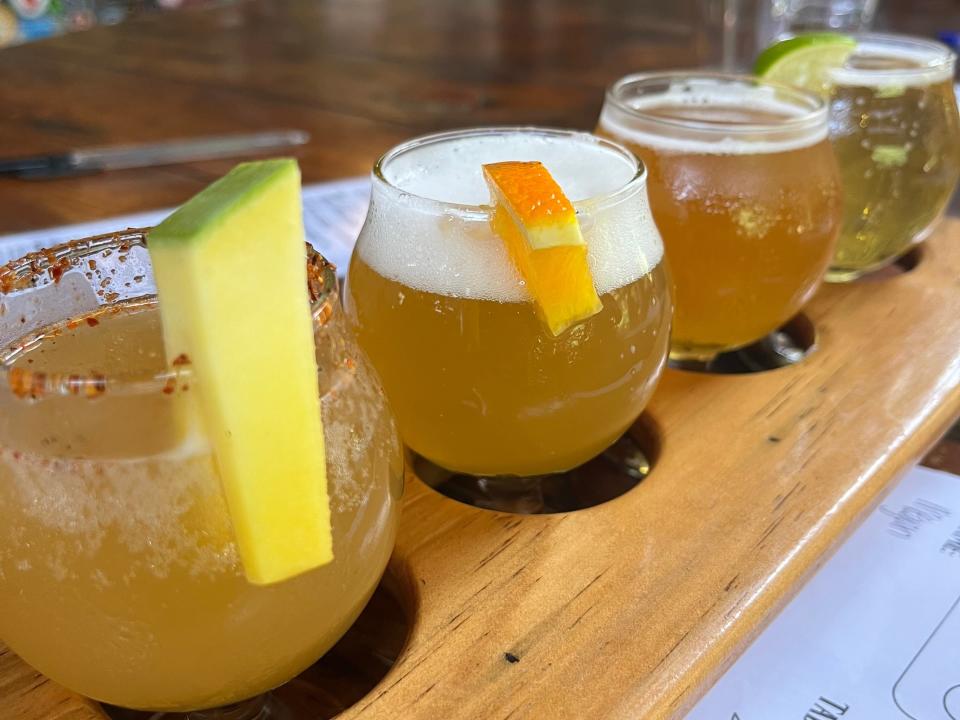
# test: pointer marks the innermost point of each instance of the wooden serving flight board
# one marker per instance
(633, 608)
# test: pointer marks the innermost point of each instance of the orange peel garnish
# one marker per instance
(538, 224)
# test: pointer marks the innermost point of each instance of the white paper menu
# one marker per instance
(875, 635)
(333, 213)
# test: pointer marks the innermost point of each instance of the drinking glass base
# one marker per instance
(838, 276)
(262, 707)
(887, 269)
(618, 469)
(787, 345)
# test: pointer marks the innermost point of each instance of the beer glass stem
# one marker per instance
(615, 471)
(262, 707)
(522, 495)
(702, 364)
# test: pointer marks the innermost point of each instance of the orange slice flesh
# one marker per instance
(539, 227)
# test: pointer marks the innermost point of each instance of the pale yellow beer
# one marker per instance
(477, 382)
(894, 127)
(744, 189)
(119, 573)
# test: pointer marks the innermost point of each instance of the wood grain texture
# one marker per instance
(626, 610)
(25, 694)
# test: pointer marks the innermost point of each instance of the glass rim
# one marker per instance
(816, 112)
(45, 267)
(942, 57)
(481, 211)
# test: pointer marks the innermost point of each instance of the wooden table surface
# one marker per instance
(360, 75)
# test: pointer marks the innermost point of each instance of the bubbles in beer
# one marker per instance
(476, 381)
(894, 128)
(743, 186)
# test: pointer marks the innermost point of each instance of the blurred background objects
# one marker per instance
(25, 20)
(738, 30)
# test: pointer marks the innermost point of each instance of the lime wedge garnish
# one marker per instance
(806, 61)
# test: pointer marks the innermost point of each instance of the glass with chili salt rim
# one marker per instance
(119, 575)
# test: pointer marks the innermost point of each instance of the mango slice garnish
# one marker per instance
(231, 275)
(538, 224)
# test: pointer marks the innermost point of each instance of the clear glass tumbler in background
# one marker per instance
(478, 384)
(779, 19)
(744, 188)
(731, 33)
(896, 133)
(119, 574)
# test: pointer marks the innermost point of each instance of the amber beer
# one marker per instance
(119, 572)
(744, 188)
(895, 129)
(477, 382)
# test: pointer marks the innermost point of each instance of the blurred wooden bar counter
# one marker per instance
(628, 610)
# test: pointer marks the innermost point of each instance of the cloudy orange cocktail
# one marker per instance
(120, 573)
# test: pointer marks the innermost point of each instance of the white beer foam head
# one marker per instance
(419, 232)
(450, 171)
(932, 63)
(632, 123)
